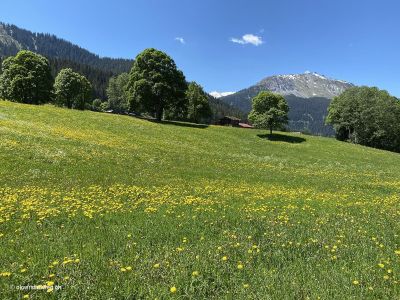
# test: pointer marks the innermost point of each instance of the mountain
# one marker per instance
(13, 39)
(308, 96)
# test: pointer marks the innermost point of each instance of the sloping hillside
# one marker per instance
(92, 201)
(13, 39)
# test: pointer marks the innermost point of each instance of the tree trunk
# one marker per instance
(270, 130)
(159, 113)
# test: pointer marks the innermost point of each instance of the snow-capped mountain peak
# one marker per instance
(216, 94)
(306, 85)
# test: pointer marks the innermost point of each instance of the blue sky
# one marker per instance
(353, 40)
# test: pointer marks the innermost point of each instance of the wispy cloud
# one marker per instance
(248, 39)
(180, 40)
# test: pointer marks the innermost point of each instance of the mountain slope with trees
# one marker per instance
(308, 96)
(14, 39)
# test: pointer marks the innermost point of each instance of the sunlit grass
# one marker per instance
(110, 206)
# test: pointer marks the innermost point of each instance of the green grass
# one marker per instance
(114, 207)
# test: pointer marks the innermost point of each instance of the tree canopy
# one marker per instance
(155, 83)
(72, 89)
(366, 116)
(26, 78)
(269, 111)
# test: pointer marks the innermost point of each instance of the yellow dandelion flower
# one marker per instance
(240, 266)
(356, 282)
(224, 258)
(50, 283)
(129, 268)
(66, 277)
(123, 270)
(246, 285)
(380, 265)
(156, 266)
(172, 289)
(51, 275)
(23, 270)
(195, 273)
(26, 296)
(397, 252)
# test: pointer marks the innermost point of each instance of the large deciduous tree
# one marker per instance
(366, 116)
(155, 84)
(26, 78)
(269, 111)
(72, 89)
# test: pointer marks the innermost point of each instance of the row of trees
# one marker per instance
(366, 116)
(154, 87)
(27, 78)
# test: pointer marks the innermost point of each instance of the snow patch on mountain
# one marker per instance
(306, 85)
(216, 94)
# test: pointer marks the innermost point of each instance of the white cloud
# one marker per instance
(180, 40)
(248, 39)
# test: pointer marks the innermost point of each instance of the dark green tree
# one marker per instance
(116, 93)
(366, 116)
(155, 84)
(97, 105)
(198, 106)
(269, 111)
(26, 78)
(72, 90)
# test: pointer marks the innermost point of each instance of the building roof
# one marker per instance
(231, 118)
(244, 125)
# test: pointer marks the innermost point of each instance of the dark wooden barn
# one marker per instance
(229, 121)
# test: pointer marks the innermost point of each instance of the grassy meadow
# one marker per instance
(100, 206)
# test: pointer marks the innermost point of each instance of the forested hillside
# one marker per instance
(97, 77)
(13, 39)
(221, 109)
